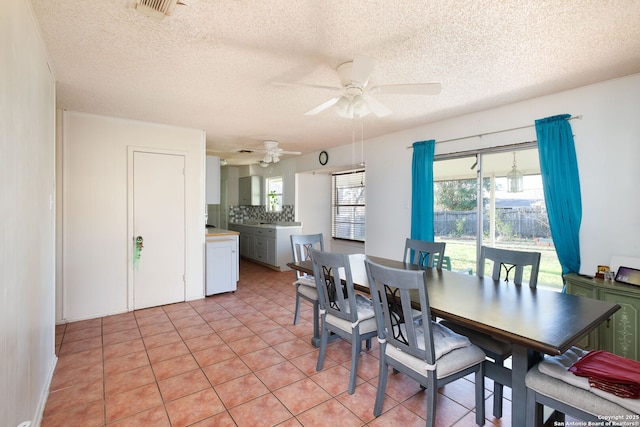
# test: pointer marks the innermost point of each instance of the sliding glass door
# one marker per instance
(474, 207)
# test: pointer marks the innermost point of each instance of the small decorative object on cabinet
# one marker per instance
(620, 333)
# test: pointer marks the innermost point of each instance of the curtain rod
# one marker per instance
(494, 132)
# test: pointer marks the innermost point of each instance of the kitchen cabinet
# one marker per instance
(212, 190)
(619, 334)
(250, 191)
(222, 263)
(267, 244)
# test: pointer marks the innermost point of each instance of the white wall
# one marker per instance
(27, 212)
(94, 231)
(313, 204)
(607, 140)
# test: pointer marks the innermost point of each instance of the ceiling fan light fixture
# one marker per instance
(343, 105)
(359, 106)
(267, 158)
(263, 164)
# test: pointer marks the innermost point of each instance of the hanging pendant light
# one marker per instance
(514, 178)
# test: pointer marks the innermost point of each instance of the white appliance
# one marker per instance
(221, 268)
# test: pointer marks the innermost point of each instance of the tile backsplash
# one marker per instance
(259, 213)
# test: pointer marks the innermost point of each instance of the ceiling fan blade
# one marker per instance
(305, 85)
(409, 89)
(322, 106)
(361, 69)
(376, 106)
(293, 153)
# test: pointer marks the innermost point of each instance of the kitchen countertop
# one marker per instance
(277, 224)
(219, 232)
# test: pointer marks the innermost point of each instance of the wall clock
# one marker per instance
(323, 158)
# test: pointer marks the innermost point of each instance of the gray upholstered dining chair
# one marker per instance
(422, 349)
(423, 253)
(550, 384)
(504, 260)
(343, 311)
(306, 284)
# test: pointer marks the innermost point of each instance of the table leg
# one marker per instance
(522, 360)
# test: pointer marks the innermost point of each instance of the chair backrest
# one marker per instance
(334, 282)
(391, 291)
(300, 245)
(422, 253)
(506, 260)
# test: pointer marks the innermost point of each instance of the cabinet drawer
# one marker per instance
(267, 232)
(262, 249)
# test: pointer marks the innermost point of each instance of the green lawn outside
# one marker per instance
(463, 255)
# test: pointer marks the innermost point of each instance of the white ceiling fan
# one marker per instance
(272, 152)
(355, 96)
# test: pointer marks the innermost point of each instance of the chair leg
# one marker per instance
(356, 347)
(297, 312)
(323, 347)
(479, 385)
(498, 394)
(316, 318)
(534, 410)
(382, 386)
(432, 397)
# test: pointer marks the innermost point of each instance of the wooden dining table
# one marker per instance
(535, 321)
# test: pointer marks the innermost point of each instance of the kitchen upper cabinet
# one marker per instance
(213, 180)
(250, 189)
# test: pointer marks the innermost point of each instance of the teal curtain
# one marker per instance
(561, 185)
(422, 191)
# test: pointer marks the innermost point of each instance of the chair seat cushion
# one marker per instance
(306, 281)
(366, 318)
(450, 363)
(486, 342)
(556, 367)
(576, 397)
(308, 292)
(444, 339)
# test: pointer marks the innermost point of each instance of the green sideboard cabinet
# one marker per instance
(619, 334)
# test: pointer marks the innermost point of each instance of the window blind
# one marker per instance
(348, 205)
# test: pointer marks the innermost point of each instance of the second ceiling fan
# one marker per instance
(355, 96)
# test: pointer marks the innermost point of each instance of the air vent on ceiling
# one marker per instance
(155, 8)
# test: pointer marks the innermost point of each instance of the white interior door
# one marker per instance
(159, 217)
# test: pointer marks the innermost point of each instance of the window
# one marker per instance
(348, 205)
(274, 194)
(499, 219)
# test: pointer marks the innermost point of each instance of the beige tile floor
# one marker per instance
(233, 359)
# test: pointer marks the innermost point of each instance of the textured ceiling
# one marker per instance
(211, 64)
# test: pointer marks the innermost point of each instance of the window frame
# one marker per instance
(268, 185)
(357, 228)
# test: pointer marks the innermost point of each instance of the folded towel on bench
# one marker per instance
(558, 367)
(610, 372)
